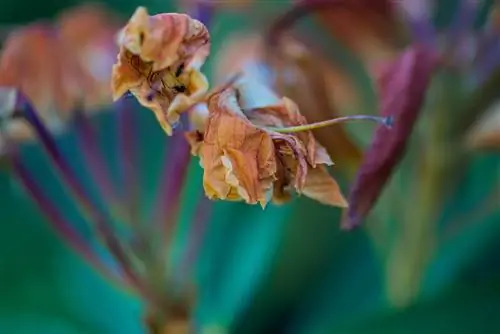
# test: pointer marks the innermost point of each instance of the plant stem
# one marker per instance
(387, 121)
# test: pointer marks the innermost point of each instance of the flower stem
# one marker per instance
(386, 121)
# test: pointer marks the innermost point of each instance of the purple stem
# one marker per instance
(94, 158)
(177, 162)
(198, 228)
(57, 221)
(128, 147)
(69, 178)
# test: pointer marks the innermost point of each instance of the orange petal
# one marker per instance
(323, 188)
(236, 154)
(167, 39)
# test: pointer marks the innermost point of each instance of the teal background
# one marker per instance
(259, 271)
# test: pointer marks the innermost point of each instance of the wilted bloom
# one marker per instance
(89, 31)
(53, 65)
(243, 158)
(320, 88)
(159, 63)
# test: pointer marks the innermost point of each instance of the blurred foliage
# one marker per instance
(287, 269)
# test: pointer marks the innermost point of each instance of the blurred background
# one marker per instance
(425, 260)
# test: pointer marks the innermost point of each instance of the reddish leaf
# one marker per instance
(403, 85)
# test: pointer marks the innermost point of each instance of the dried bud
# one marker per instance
(159, 63)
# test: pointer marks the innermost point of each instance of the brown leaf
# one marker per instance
(403, 86)
(159, 63)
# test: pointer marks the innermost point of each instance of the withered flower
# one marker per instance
(53, 65)
(245, 159)
(159, 63)
(89, 32)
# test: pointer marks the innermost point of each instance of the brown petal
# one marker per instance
(35, 60)
(323, 188)
(166, 40)
(247, 151)
(195, 140)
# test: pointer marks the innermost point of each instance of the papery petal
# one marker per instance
(158, 91)
(319, 87)
(322, 187)
(34, 60)
(168, 39)
(403, 90)
(89, 32)
(232, 146)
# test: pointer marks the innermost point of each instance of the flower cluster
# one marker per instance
(251, 153)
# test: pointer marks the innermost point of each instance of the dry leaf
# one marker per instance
(159, 61)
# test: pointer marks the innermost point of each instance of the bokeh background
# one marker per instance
(288, 269)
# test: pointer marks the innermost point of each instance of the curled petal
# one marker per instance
(238, 158)
(166, 40)
(323, 188)
(167, 93)
(403, 88)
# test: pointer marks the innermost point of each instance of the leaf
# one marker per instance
(403, 85)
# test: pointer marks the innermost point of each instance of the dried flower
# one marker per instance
(244, 159)
(159, 63)
(54, 66)
(320, 88)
